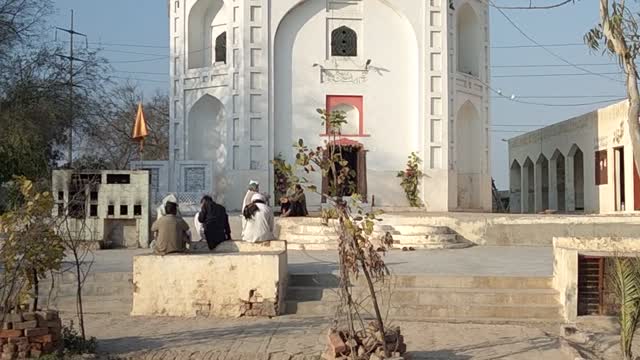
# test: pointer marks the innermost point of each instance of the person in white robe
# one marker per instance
(259, 222)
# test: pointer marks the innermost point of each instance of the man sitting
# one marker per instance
(172, 232)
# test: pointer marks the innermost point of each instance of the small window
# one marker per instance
(61, 195)
(344, 42)
(137, 210)
(601, 167)
(94, 196)
(111, 210)
(124, 210)
(60, 209)
(118, 179)
(221, 48)
(93, 210)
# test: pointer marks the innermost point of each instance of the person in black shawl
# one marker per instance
(215, 222)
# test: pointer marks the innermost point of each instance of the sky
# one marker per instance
(134, 36)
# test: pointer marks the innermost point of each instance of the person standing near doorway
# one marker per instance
(215, 222)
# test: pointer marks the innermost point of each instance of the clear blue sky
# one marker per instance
(145, 23)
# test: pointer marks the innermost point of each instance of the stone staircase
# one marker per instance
(436, 298)
(312, 234)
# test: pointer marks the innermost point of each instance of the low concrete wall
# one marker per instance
(565, 266)
(240, 280)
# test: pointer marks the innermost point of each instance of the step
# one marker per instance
(448, 311)
(432, 281)
(418, 239)
(434, 296)
(413, 229)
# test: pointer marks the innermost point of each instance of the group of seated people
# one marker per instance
(172, 233)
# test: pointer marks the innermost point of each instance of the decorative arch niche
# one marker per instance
(469, 41)
(468, 145)
(207, 130)
(515, 187)
(207, 20)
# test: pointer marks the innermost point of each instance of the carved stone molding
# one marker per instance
(344, 76)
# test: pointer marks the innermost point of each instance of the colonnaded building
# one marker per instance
(248, 75)
(584, 164)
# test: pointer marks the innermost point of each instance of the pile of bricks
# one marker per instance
(257, 306)
(30, 335)
(365, 345)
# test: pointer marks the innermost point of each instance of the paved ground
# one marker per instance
(478, 260)
(289, 338)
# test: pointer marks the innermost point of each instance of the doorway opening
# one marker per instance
(355, 180)
(618, 164)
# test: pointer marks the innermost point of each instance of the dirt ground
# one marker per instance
(288, 338)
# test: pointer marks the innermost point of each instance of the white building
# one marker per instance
(248, 75)
(584, 164)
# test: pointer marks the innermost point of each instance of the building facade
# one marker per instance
(248, 75)
(584, 164)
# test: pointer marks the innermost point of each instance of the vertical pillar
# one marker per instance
(524, 190)
(570, 191)
(553, 184)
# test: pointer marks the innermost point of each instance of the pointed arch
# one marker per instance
(528, 189)
(468, 144)
(558, 164)
(542, 183)
(344, 42)
(515, 187)
(469, 44)
(207, 130)
(577, 171)
(221, 48)
(206, 20)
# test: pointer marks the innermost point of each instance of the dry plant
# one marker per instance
(358, 251)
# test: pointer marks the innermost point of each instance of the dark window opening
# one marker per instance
(77, 209)
(85, 179)
(601, 167)
(118, 179)
(124, 210)
(60, 209)
(94, 196)
(221, 48)
(111, 210)
(61, 195)
(344, 42)
(137, 210)
(93, 210)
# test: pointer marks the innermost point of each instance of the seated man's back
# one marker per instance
(171, 232)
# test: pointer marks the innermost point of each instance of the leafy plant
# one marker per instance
(625, 278)
(411, 179)
(31, 248)
(75, 344)
(283, 172)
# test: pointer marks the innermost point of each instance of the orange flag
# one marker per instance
(140, 128)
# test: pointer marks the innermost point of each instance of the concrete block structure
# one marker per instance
(252, 282)
(584, 164)
(105, 207)
(247, 77)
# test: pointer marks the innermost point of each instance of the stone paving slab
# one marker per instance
(477, 260)
(291, 338)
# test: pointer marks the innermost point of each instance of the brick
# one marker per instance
(30, 316)
(26, 325)
(36, 353)
(24, 347)
(7, 326)
(12, 317)
(23, 355)
(35, 346)
(42, 339)
(18, 340)
(10, 333)
(7, 356)
(9, 348)
(336, 343)
(52, 324)
(36, 332)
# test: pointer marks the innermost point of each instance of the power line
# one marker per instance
(548, 65)
(554, 75)
(546, 48)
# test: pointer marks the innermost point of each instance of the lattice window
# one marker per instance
(344, 42)
(221, 48)
(194, 180)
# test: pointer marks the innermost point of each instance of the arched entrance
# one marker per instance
(355, 181)
(577, 159)
(515, 188)
(207, 21)
(558, 165)
(542, 183)
(468, 150)
(528, 189)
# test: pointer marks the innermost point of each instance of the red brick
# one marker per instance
(36, 332)
(32, 324)
(18, 340)
(10, 333)
(42, 339)
(336, 343)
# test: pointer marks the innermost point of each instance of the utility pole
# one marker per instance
(72, 33)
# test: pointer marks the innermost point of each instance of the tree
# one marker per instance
(108, 133)
(617, 35)
(20, 22)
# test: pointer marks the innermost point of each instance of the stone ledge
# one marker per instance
(233, 284)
